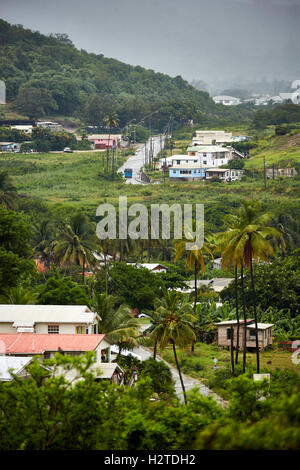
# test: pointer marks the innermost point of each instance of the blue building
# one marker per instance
(192, 171)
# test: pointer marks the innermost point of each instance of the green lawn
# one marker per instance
(200, 363)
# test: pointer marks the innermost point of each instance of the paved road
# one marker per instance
(136, 161)
(189, 382)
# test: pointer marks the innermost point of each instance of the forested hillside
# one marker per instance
(58, 79)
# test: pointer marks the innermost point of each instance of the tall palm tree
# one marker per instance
(117, 324)
(155, 319)
(75, 244)
(8, 193)
(43, 237)
(111, 120)
(194, 260)
(229, 260)
(249, 240)
(175, 326)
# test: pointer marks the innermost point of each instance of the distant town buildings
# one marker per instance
(50, 125)
(227, 100)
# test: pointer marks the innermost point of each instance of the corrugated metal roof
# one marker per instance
(16, 364)
(207, 149)
(32, 343)
(46, 314)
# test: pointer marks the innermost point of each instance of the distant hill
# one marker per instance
(48, 75)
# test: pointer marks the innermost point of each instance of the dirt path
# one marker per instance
(188, 381)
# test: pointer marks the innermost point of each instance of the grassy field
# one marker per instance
(200, 363)
(76, 181)
(282, 151)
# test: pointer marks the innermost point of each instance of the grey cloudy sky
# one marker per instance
(207, 40)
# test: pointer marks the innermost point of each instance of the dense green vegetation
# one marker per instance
(48, 205)
(47, 75)
(90, 415)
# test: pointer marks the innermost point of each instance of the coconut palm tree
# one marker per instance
(249, 240)
(175, 326)
(8, 193)
(194, 260)
(154, 318)
(229, 260)
(75, 244)
(43, 238)
(111, 120)
(117, 324)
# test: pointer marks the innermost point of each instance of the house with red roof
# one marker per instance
(45, 345)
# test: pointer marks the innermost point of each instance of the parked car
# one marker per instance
(68, 150)
(143, 315)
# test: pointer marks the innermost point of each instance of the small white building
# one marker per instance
(48, 319)
(153, 267)
(227, 100)
(224, 174)
(10, 146)
(50, 125)
(27, 129)
(11, 366)
(212, 137)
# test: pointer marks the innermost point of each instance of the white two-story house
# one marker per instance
(210, 156)
(48, 319)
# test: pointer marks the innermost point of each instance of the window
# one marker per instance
(81, 330)
(53, 329)
(174, 171)
(228, 333)
(252, 334)
(205, 162)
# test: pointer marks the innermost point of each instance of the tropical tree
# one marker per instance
(195, 259)
(19, 296)
(111, 120)
(75, 244)
(249, 240)
(43, 238)
(8, 193)
(229, 260)
(117, 324)
(155, 319)
(175, 326)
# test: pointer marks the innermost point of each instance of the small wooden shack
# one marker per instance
(226, 327)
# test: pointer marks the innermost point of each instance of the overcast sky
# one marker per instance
(208, 40)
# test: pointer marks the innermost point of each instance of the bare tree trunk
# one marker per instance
(255, 312)
(195, 287)
(179, 371)
(245, 319)
(155, 349)
(237, 316)
(231, 350)
(195, 300)
(83, 270)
